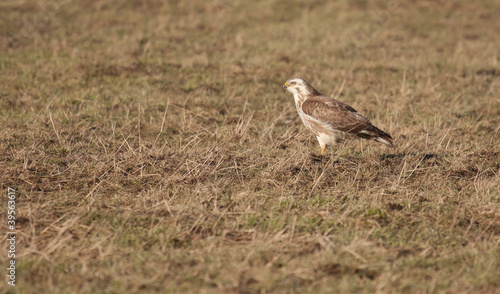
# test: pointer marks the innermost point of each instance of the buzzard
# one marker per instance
(331, 120)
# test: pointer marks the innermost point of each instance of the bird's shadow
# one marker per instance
(318, 158)
(425, 156)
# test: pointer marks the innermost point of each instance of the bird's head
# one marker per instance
(299, 86)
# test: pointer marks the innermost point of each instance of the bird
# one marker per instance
(330, 120)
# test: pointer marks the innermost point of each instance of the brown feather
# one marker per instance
(341, 116)
(344, 118)
(331, 120)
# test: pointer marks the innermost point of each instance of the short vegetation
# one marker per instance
(153, 149)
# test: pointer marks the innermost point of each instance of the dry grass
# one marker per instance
(154, 150)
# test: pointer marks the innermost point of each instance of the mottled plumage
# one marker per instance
(331, 120)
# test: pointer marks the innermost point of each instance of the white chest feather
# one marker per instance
(325, 133)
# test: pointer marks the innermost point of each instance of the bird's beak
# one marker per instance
(285, 86)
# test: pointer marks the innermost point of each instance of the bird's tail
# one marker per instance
(378, 135)
(385, 139)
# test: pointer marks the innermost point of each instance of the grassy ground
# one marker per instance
(154, 150)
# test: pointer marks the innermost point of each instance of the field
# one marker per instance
(152, 148)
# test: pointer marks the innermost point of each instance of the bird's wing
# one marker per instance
(339, 115)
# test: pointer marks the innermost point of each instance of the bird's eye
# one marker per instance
(292, 83)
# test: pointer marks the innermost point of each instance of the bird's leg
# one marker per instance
(321, 144)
